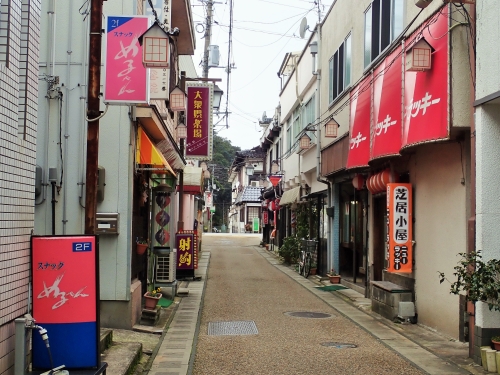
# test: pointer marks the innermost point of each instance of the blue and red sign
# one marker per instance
(65, 300)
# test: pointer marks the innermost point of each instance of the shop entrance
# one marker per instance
(379, 236)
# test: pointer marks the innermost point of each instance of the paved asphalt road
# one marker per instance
(243, 286)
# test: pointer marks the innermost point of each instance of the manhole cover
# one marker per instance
(308, 314)
(235, 328)
(339, 345)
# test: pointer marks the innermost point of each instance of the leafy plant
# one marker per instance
(495, 338)
(314, 265)
(480, 280)
(140, 241)
(154, 293)
(333, 273)
(290, 249)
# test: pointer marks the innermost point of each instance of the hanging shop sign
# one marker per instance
(386, 124)
(255, 224)
(186, 243)
(199, 141)
(265, 217)
(400, 227)
(426, 99)
(126, 79)
(65, 275)
(359, 125)
(208, 199)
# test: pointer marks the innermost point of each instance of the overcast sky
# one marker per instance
(263, 32)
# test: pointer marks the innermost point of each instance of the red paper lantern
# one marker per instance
(378, 183)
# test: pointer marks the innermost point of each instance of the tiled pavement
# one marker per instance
(176, 353)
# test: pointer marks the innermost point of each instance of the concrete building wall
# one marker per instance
(440, 225)
(19, 42)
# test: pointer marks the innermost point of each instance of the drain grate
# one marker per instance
(236, 328)
(339, 345)
(308, 314)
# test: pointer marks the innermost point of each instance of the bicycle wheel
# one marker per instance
(307, 266)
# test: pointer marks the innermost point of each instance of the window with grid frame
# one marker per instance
(296, 123)
(252, 213)
(339, 68)
(384, 21)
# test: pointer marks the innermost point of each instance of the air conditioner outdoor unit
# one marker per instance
(254, 183)
(165, 268)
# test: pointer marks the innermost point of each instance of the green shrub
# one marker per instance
(290, 249)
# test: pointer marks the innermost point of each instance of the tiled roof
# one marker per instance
(250, 194)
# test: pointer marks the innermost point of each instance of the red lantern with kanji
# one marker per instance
(358, 181)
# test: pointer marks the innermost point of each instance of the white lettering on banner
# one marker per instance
(54, 289)
(357, 140)
(384, 125)
(124, 52)
(413, 109)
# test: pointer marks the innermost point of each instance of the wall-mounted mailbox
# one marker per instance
(107, 222)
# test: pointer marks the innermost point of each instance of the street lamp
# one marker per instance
(250, 169)
(217, 97)
(331, 128)
(275, 168)
(181, 131)
(177, 100)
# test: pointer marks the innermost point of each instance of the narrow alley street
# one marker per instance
(243, 286)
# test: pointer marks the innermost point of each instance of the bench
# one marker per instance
(386, 297)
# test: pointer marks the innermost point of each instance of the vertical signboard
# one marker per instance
(126, 79)
(64, 271)
(199, 141)
(400, 227)
(255, 224)
(186, 243)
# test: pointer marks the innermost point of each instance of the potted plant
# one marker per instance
(313, 269)
(480, 280)
(333, 276)
(141, 246)
(151, 298)
(495, 340)
(289, 251)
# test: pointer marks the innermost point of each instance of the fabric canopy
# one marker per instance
(147, 154)
(290, 196)
(193, 180)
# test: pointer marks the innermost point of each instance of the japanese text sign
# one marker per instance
(199, 142)
(186, 243)
(126, 78)
(426, 92)
(65, 299)
(400, 227)
(359, 125)
(386, 124)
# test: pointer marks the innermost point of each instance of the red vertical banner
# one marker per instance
(359, 125)
(199, 141)
(186, 243)
(400, 227)
(426, 92)
(387, 101)
(265, 217)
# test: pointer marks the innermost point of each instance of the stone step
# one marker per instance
(122, 357)
(106, 339)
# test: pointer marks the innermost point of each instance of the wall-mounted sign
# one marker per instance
(65, 270)
(199, 142)
(400, 227)
(126, 79)
(186, 243)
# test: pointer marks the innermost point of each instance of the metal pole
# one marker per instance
(53, 207)
(93, 112)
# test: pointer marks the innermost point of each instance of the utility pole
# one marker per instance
(93, 112)
(207, 36)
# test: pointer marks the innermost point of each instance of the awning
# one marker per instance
(290, 196)
(148, 156)
(193, 180)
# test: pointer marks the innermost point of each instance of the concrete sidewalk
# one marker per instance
(427, 350)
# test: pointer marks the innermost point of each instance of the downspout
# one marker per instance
(318, 147)
(66, 116)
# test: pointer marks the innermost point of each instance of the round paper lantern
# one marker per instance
(358, 181)
(369, 184)
(385, 177)
(378, 183)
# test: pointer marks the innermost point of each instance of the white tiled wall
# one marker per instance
(19, 46)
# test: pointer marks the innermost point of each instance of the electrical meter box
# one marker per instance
(213, 56)
(107, 222)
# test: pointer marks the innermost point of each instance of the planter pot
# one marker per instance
(140, 248)
(151, 302)
(312, 271)
(334, 279)
(491, 362)
(267, 246)
(496, 344)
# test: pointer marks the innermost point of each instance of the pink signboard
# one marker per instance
(66, 300)
(426, 92)
(386, 124)
(199, 141)
(359, 125)
(127, 80)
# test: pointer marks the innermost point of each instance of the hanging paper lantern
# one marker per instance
(358, 181)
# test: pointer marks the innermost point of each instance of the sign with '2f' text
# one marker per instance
(66, 300)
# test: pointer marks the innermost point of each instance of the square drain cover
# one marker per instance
(236, 328)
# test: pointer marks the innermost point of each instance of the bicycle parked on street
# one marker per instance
(305, 258)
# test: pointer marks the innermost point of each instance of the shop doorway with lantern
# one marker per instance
(353, 235)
